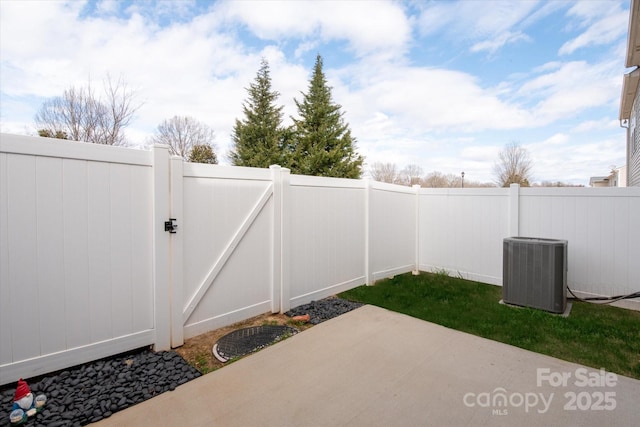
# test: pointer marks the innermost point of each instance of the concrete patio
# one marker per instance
(374, 367)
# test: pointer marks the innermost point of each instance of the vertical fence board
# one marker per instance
(285, 291)
(23, 258)
(177, 252)
(6, 314)
(141, 212)
(50, 260)
(276, 253)
(121, 254)
(99, 250)
(161, 242)
(76, 286)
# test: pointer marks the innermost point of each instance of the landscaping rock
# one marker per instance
(325, 309)
(93, 391)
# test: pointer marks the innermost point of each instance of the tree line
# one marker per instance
(318, 143)
(513, 166)
(413, 175)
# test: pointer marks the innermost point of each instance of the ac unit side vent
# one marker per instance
(534, 273)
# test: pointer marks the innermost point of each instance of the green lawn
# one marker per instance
(599, 336)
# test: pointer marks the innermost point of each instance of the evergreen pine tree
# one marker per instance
(259, 140)
(322, 141)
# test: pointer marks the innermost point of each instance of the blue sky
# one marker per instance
(441, 84)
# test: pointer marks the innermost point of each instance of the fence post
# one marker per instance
(416, 269)
(285, 287)
(514, 210)
(162, 311)
(276, 250)
(367, 232)
(176, 256)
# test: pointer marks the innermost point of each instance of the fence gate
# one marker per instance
(225, 254)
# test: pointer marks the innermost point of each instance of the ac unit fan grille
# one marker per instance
(535, 273)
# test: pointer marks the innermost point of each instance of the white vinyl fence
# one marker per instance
(87, 269)
(255, 240)
(602, 228)
(76, 254)
(462, 230)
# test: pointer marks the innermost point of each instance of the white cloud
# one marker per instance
(605, 29)
(434, 17)
(489, 26)
(573, 87)
(596, 125)
(428, 99)
(107, 7)
(569, 158)
(496, 17)
(200, 64)
(183, 68)
(589, 11)
(368, 26)
(556, 139)
(306, 47)
(482, 154)
(549, 66)
(499, 42)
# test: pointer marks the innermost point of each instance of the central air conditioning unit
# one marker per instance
(534, 273)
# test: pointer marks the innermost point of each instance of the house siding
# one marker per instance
(633, 145)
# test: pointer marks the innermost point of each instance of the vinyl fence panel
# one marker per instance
(461, 231)
(393, 233)
(600, 225)
(76, 281)
(327, 237)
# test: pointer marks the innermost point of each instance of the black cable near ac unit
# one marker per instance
(605, 300)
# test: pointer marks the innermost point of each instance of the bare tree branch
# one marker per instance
(182, 133)
(411, 175)
(81, 115)
(384, 172)
(513, 166)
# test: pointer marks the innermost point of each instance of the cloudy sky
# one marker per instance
(441, 84)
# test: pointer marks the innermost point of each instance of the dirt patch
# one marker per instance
(197, 350)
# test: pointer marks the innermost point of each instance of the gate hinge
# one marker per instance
(170, 226)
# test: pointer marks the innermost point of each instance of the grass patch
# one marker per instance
(201, 363)
(593, 335)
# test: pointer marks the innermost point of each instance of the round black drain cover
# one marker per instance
(247, 340)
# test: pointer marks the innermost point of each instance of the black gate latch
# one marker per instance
(170, 226)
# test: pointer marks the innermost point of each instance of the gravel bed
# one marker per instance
(88, 393)
(325, 309)
(93, 391)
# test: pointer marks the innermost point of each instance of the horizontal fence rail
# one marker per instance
(88, 270)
